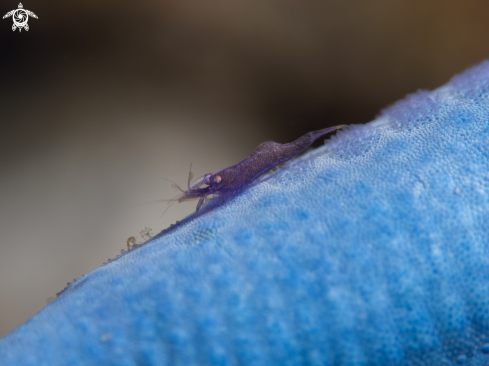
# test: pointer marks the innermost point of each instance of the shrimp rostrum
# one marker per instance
(234, 178)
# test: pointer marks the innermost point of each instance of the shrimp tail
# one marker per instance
(305, 141)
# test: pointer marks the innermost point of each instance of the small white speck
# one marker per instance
(457, 190)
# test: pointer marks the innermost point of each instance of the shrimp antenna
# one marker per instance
(156, 201)
(169, 205)
(172, 201)
(190, 175)
(174, 185)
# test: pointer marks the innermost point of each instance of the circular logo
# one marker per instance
(20, 18)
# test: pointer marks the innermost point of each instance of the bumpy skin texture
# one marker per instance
(372, 250)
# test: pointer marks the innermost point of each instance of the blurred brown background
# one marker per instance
(100, 101)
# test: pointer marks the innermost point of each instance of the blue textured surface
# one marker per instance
(372, 250)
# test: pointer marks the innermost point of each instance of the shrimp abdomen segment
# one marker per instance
(265, 157)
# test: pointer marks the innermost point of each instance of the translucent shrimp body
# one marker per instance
(265, 157)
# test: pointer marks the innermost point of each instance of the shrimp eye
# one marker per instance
(217, 179)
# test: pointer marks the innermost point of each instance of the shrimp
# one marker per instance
(234, 178)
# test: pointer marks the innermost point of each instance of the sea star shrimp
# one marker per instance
(234, 178)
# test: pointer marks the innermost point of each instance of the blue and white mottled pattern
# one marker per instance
(372, 250)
